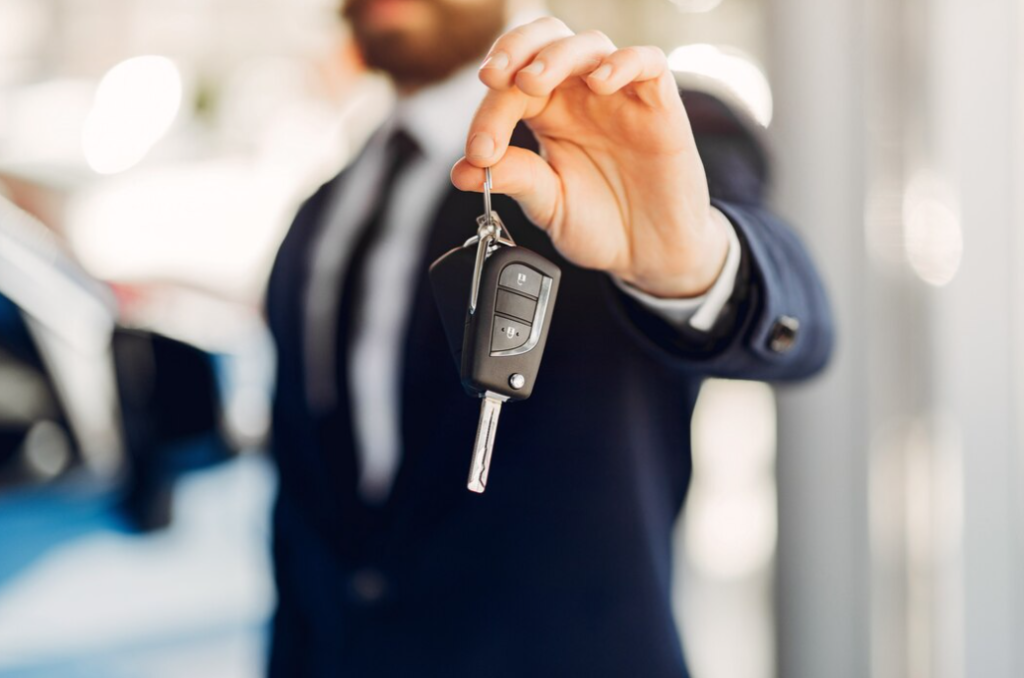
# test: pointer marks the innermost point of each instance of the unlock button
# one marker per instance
(508, 334)
(521, 279)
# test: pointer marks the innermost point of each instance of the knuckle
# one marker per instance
(630, 55)
(558, 50)
(656, 54)
(513, 41)
(495, 81)
(552, 23)
(532, 85)
(519, 30)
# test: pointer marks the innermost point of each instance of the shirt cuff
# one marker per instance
(699, 313)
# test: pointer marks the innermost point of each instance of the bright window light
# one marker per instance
(730, 69)
(135, 105)
(932, 235)
(730, 516)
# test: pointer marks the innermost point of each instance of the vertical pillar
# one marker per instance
(818, 131)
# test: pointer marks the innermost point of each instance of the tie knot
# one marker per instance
(401, 149)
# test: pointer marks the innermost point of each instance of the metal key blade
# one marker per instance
(483, 446)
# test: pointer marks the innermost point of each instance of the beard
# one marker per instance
(456, 34)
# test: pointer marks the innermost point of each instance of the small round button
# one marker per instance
(517, 381)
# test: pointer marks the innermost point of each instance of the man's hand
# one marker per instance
(618, 186)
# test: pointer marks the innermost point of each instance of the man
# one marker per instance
(672, 271)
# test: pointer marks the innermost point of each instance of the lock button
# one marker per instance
(508, 334)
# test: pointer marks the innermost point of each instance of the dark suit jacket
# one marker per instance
(562, 567)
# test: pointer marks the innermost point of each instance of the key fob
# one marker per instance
(505, 338)
(496, 300)
(499, 347)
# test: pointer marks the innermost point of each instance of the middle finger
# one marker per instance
(518, 47)
(576, 55)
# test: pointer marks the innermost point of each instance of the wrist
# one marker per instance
(701, 269)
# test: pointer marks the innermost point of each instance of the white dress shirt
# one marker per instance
(437, 118)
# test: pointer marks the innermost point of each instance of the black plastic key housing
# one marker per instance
(500, 346)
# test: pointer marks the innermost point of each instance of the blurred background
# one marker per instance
(152, 153)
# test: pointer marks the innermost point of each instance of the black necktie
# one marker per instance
(401, 149)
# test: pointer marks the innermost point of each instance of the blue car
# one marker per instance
(82, 396)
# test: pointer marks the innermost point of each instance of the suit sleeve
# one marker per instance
(777, 324)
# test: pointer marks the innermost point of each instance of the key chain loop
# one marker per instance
(489, 224)
(490, 233)
(487, 193)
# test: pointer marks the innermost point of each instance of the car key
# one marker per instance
(497, 335)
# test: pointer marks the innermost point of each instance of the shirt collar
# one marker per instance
(439, 116)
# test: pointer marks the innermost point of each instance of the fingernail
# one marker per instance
(497, 61)
(481, 146)
(536, 68)
(602, 73)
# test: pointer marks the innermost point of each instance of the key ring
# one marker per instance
(487, 193)
(490, 233)
(489, 224)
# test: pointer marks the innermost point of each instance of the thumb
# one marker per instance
(523, 176)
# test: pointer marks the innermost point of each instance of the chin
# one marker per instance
(418, 42)
(409, 64)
